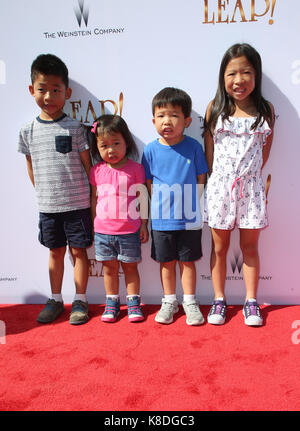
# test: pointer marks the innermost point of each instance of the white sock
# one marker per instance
(133, 295)
(221, 298)
(57, 297)
(188, 298)
(80, 297)
(171, 298)
(112, 296)
(251, 300)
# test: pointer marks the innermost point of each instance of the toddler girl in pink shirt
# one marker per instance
(119, 210)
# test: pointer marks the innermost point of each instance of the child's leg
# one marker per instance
(81, 269)
(220, 244)
(168, 277)
(54, 306)
(169, 303)
(132, 278)
(249, 247)
(56, 268)
(188, 281)
(188, 277)
(111, 277)
(111, 285)
(79, 313)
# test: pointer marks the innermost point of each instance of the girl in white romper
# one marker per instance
(238, 133)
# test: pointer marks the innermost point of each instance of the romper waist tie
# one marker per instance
(234, 184)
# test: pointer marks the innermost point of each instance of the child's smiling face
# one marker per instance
(50, 94)
(239, 78)
(170, 123)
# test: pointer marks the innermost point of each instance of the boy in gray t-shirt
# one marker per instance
(58, 164)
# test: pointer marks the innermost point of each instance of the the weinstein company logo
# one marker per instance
(81, 13)
(236, 263)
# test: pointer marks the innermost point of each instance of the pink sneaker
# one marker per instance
(112, 310)
(135, 313)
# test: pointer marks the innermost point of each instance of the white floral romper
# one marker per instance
(235, 193)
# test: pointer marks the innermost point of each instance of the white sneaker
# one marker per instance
(217, 312)
(193, 313)
(251, 311)
(167, 311)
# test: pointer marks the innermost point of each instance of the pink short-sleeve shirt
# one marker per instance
(116, 210)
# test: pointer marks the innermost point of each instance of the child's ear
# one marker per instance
(187, 122)
(31, 91)
(68, 93)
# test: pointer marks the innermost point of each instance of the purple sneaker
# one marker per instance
(251, 311)
(217, 313)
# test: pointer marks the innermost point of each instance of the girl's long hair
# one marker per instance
(224, 105)
(110, 124)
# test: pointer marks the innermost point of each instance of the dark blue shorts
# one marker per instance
(182, 245)
(73, 228)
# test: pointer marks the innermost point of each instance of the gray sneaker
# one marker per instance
(193, 313)
(79, 313)
(52, 310)
(167, 311)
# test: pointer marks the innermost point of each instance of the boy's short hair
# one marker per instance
(175, 97)
(49, 64)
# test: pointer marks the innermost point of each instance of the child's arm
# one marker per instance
(93, 202)
(149, 187)
(142, 195)
(144, 234)
(29, 169)
(269, 140)
(86, 161)
(209, 142)
(201, 180)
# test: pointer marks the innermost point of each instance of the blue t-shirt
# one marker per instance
(173, 171)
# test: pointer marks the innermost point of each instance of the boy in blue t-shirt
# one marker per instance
(175, 168)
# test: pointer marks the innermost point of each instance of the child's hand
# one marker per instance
(144, 235)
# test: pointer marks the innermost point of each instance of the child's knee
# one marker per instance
(57, 253)
(249, 249)
(111, 267)
(78, 253)
(129, 267)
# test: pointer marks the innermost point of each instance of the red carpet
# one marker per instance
(147, 366)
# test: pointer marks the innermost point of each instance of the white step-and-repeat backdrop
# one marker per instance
(119, 54)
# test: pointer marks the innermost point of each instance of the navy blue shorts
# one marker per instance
(182, 245)
(73, 228)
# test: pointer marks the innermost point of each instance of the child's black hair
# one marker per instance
(49, 64)
(223, 104)
(110, 124)
(174, 97)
